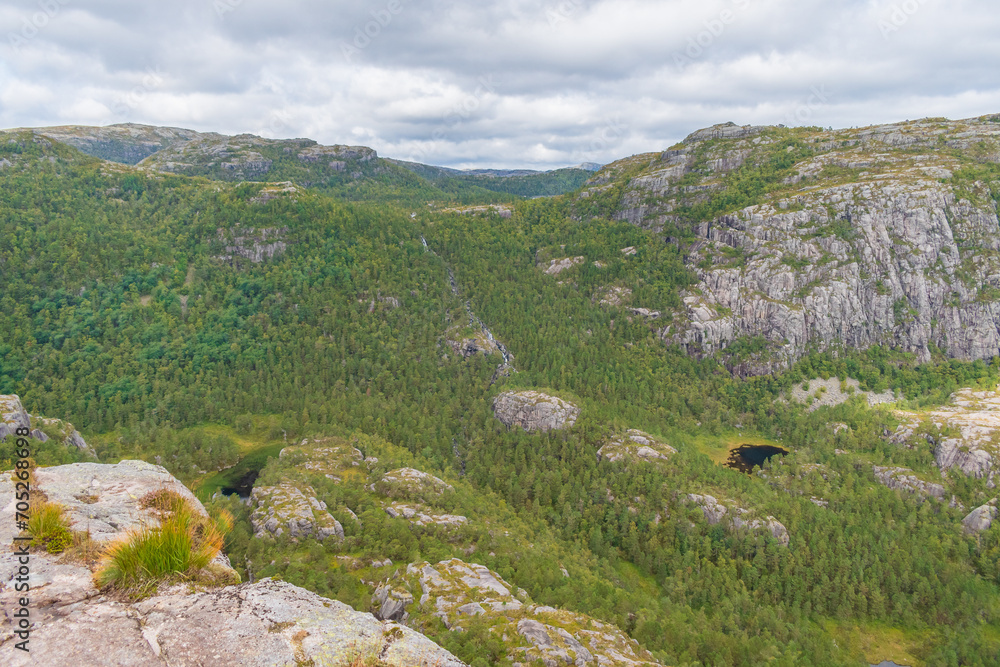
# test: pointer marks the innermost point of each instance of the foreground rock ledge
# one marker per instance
(534, 411)
(268, 623)
(265, 624)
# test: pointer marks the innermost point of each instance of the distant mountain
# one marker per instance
(520, 182)
(346, 170)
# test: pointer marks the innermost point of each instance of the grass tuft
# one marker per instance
(179, 548)
(49, 528)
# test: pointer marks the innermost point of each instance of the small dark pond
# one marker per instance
(242, 486)
(747, 457)
(239, 479)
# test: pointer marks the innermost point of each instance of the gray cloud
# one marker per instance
(495, 82)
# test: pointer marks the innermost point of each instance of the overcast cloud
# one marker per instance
(505, 83)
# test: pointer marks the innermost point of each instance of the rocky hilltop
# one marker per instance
(804, 238)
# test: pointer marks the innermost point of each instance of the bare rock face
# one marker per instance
(964, 433)
(898, 479)
(287, 507)
(738, 519)
(14, 416)
(534, 411)
(635, 445)
(870, 243)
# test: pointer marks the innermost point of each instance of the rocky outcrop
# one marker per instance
(900, 479)
(127, 143)
(422, 516)
(635, 445)
(411, 483)
(981, 518)
(476, 342)
(865, 243)
(330, 457)
(12, 415)
(286, 507)
(965, 433)
(255, 245)
(534, 411)
(738, 519)
(614, 296)
(557, 266)
(456, 591)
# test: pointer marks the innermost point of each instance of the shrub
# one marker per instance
(180, 547)
(49, 528)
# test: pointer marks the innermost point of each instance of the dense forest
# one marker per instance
(134, 307)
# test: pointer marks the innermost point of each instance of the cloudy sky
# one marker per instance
(507, 83)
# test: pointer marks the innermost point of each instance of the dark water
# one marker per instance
(242, 486)
(888, 663)
(746, 457)
(239, 479)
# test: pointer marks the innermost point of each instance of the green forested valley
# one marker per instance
(191, 321)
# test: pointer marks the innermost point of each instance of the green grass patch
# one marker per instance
(876, 642)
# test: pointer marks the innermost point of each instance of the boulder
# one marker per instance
(390, 603)
(288, 507)
(980, 519)
(534, 411)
